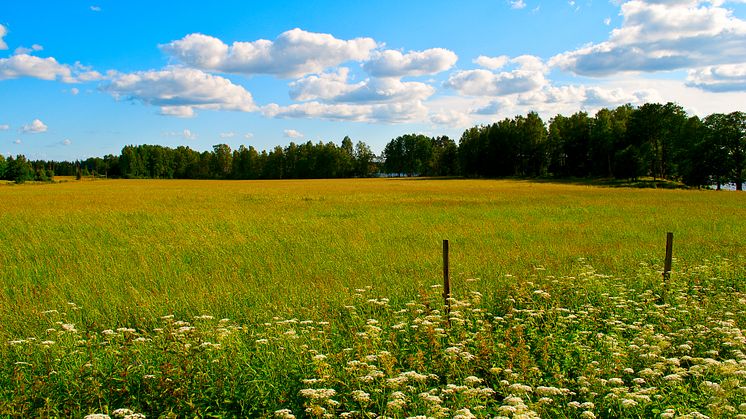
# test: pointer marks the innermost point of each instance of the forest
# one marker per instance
(653, 140)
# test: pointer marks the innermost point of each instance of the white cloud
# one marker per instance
(291, 133)
(74, 91)
(17, 141)
(188, 134)
(179, 91)
(95, 8)
(66, 142)
(451, 118)
(3, 32)
(492, 63)
(24, 50)
(723, 78)
(386, 113)
(248, 135)
(607, 21)
(293, 54)
(4, 127)
(494, 107)
(35, 127)
(229, 134)
(392, 63)
(24, 65)
(333, 87)
(517, 4)
(486, 83)
(527, 76)
(658, 35)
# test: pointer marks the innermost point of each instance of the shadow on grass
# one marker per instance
(643, 183)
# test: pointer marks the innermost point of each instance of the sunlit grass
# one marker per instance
(122, 254)
(130, 249)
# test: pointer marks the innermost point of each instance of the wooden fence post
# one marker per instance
(667, 263)
(446, 279)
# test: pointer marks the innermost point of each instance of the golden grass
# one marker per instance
(128, 250)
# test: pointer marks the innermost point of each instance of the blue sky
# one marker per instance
(80, 79)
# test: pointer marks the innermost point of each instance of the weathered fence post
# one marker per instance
(667, 264)
(446, 279)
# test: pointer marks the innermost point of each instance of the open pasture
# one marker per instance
(540, 269)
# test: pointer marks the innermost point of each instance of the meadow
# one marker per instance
(321, 298)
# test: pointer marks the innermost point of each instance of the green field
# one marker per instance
(343, 264)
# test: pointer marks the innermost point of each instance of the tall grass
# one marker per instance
(112, 293)
(131, 250)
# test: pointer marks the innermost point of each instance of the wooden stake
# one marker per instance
(667, 263)
(446, 278)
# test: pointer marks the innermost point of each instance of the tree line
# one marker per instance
(654, 140)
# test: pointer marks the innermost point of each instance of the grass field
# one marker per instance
(78, 259)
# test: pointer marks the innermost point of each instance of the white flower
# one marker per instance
(284, 414)
(360, 396)
(629, 403)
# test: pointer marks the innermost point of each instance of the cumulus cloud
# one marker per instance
(66, 142)
(95, 8)
(659, 35)
(450, 118)
(492, 63)
(3, 32)
(188, 134)
(248, 135)
(229, 134)
(179, 91)
(17, 141)
(24, 65)
(4, 127)
(334, 88)
(35, 127)
(392, 63)
(528, 76)
(293, 54)
(386, 113)
(291, 133)
(723, 78)
(74, 91)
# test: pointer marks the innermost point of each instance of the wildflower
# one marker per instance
(464, 414)
(674, 378)
(360, 396)
(430, 398)
(472, 380)
(318, 393)
(548, 391)
(520, 388)
(68, 327)
(284, 414)
(97, 416)
(396, 404)
(587, 414)
(629, 403)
